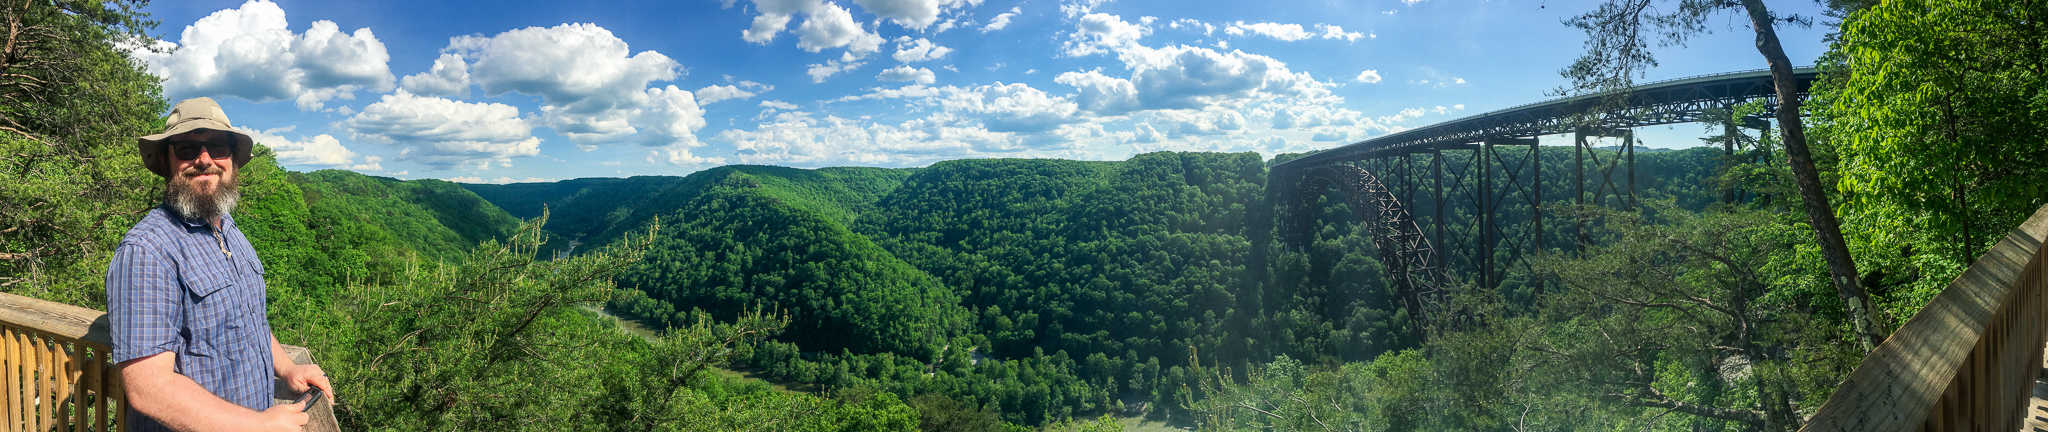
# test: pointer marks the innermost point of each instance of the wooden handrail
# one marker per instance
(55, 374)
(1968, 360)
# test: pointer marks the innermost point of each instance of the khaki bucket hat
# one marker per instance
(191, 115)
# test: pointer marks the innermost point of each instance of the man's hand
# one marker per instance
(304, 377)
(288, 417)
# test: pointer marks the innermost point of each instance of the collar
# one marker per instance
(226, 220)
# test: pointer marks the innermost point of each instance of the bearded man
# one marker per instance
(185, 294)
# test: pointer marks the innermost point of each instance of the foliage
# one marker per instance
(71, 105)
(1939, 110)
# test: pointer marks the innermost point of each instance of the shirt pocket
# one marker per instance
(212, 310)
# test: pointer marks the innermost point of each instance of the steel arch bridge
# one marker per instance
(1397, 185)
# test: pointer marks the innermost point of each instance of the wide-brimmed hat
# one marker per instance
(191, 115)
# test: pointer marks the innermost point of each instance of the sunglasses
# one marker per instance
(218, 148)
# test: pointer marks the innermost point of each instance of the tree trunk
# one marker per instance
(1841, 269)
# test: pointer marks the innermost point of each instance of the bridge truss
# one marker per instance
(1435, 197)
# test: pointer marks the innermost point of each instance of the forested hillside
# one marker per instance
(1032, 289)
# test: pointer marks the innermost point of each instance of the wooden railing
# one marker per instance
(1968, 360)
(55, 376)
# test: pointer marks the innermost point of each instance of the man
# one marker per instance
(185, 294)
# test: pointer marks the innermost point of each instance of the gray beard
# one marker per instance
(180, 197)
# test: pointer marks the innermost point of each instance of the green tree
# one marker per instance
(1678, 313)
(71, 105)
(1936, 110)
(1617, 52)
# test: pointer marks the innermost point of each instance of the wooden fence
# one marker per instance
(55, 376)
(1968, 360)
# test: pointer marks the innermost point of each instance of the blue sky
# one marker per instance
(542, 91)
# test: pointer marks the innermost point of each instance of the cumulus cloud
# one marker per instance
(776, 104)
(912, 14)
(773, 16)
(820, 71)
(319, 151)
(1098, 33)
(1001, 21)
(1285, 32)
(999, 107)
(670, 117)
(920, 49)
(831, 26)
(1176, 76)
(1337, 32)
(1013, 107)
(593, 87)
(1100, 93)
(1292, 32)
(805, 139)
(249, 53)
(1192, 24)
(714, 93)
(449, 77)
(1368, 76)
(579, 67)
(906, 73)
(1146, 134)
(444, 132)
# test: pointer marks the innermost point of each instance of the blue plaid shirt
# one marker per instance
(171, 288)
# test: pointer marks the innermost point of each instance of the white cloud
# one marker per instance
(714, 93)
(449, 77)
(1146, 134)
(912, 14)
(774, 17)
(1100, 93)
(249, 53)
(907, 73)
(1337, 32)
(1369, 76)
(1285, 32)
(831, 26)
(803, 139)
(1013, 107)
(444, 132)
(582, 68)
(681, 156)
(1212, 121)
(332, 59)
(1074, 8)
(1001, 20)
(1405, 114)
(320, 151)
(1193, 24)
(911, 51)
(671, 117)
(1098, 33)
(819, 72)
(594, 88)
(1187, 77)
(999, 107)
(776, 104)
(1290, 32)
